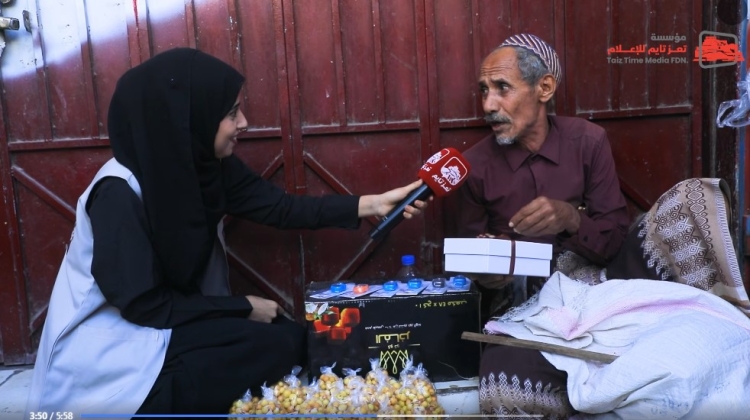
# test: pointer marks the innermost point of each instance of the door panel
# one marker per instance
(463, 36)
(642, 167)
(652, 112)
(260, 65)
(50, 152)
(342, 96)
(360, 112)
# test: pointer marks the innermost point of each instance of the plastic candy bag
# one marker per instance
(736, 113)
(378, 393)
(329, 381)
(289, 394)
(267, 404)
(352, 380)
(417, 394)
(245, 405)
(316, 401)
(425, 397)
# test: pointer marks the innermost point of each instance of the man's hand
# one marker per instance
(264, 310)
(544, 216)
(381, 204)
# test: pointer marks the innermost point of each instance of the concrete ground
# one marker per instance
(458, 398)
(14, 389)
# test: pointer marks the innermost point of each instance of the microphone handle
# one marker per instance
(396, 215)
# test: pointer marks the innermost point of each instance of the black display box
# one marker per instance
(351, 331)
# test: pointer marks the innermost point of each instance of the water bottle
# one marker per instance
(408, 270)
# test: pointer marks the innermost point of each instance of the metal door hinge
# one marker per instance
(9, 23)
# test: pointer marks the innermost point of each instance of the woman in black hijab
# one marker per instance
(157, 267)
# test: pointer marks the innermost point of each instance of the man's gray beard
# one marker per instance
(505, 141)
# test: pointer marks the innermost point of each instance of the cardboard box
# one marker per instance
(351, 331)
(493, 256)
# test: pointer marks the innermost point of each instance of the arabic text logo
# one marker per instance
(663, 50)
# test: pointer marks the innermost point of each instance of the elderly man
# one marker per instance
(540, 178)
(552, 179)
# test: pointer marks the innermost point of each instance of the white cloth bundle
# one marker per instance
(683, 352)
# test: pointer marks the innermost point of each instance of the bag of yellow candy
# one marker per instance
(289, 394)
(316, 401)
(363, 395)
(282, 398)
(329, 381)
(351, 379)
(365, 400)
(378, 376)
(244, 405)
(341, 400)
(378, 388)
(417, 392)
(267, 404)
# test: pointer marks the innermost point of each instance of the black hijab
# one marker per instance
(163, 120)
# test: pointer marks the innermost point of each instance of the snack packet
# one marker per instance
(352, 380)
(418, 391)
(316, 401)
(267, 404)
(341, 401)
(380, 377)
(364, 399)
(289, 393)
(329, 381)
(403, 399)
(244, 405)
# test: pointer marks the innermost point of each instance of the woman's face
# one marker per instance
(230, 126)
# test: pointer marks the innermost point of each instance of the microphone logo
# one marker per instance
(454, 171)
(451, 174)
(437, 156)
(442, 173)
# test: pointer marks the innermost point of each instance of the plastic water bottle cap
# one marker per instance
(415, 283)
(438, 282)
(459, 281)
(407, 260)
(390, 286)
(338, 287)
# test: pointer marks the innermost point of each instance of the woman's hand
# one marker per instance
(264, 310)
(381, 204)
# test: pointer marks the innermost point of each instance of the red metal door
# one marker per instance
(342, 97)
(336, 98)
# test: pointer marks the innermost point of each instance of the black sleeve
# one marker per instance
(125, 270)
(253, 198)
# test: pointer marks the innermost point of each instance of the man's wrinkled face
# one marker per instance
(510, 105)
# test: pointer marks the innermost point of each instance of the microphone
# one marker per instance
(442, 174)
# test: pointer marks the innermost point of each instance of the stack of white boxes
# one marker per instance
(493, 256)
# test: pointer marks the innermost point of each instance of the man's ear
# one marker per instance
(546, 88)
